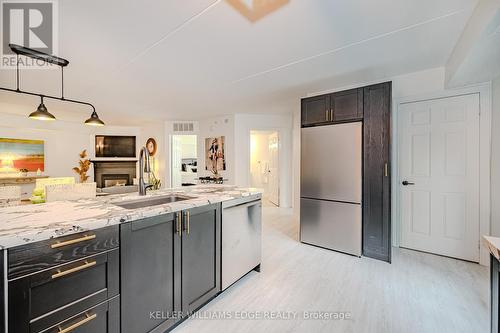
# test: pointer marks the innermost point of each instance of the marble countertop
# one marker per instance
(25, 224)
(493, 244)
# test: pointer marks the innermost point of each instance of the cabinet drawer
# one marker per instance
(30, 258)
(103, 318)
(49, 296)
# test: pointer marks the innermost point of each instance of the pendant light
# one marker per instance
(41, 112)
(94, 120)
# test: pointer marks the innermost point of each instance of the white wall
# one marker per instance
(495, 159)
(64, 140)
(236, 128)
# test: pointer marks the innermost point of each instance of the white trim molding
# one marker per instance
(484, 91)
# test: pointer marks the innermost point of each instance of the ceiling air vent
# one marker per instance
(183, 127)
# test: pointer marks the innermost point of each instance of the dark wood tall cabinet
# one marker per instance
(372, 106)
(376, 172)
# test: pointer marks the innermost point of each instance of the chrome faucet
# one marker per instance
(143, 156)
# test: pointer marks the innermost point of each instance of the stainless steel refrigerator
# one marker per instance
(331, 180)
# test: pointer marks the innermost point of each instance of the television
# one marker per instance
(115, 146)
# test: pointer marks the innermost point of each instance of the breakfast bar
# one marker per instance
(107, 264)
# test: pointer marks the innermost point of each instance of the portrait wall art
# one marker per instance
(215, 160)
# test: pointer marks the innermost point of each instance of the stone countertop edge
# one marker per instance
(21, 225)
(493, 244)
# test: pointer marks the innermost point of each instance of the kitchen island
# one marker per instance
(121, 263)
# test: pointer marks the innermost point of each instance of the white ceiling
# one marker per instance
(155, 59)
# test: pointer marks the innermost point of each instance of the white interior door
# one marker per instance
(439, 158)
(273, 170)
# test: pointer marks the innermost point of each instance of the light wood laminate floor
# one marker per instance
(418, 292)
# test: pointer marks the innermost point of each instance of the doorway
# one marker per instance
(183, 160)
(439, 165)
(264, 164)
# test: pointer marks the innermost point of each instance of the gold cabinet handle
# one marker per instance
(87, 264)
(331, 114)
(386, 170)
(72, 241)
(179, 223)
(78, 324)
(327, 113)
(187, 220)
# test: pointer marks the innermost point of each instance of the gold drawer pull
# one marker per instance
(72, 241)
(73, 270)
(179, 224)
(78, 324)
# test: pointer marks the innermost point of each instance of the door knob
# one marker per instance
(406, 183)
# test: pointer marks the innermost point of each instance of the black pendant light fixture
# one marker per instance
(94, 120)
(41, 112)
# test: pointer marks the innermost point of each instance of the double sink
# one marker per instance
(151, 201)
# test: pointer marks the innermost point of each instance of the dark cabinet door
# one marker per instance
(200, 256)
(150, 296)
(347, 105)
(316, 110)
(494, 293)
(376, 169)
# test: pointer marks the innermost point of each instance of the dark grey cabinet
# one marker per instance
(200, 256)
(316, 110)
(150, 264)
(376, 171)
(170, 266)
(347, 105)
(67, 282)
(494, 293)
(338, 107)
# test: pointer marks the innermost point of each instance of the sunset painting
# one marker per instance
(17, 154)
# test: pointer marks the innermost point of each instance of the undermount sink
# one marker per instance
(151, 201)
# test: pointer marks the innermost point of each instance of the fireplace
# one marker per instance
(114, 173)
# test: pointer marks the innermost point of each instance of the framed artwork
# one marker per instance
(151, 146)
(17, 154)
(215, 159)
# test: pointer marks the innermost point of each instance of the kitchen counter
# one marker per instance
(493, 244)
(20, 225)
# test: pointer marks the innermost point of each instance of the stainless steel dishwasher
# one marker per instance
(241, 238)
